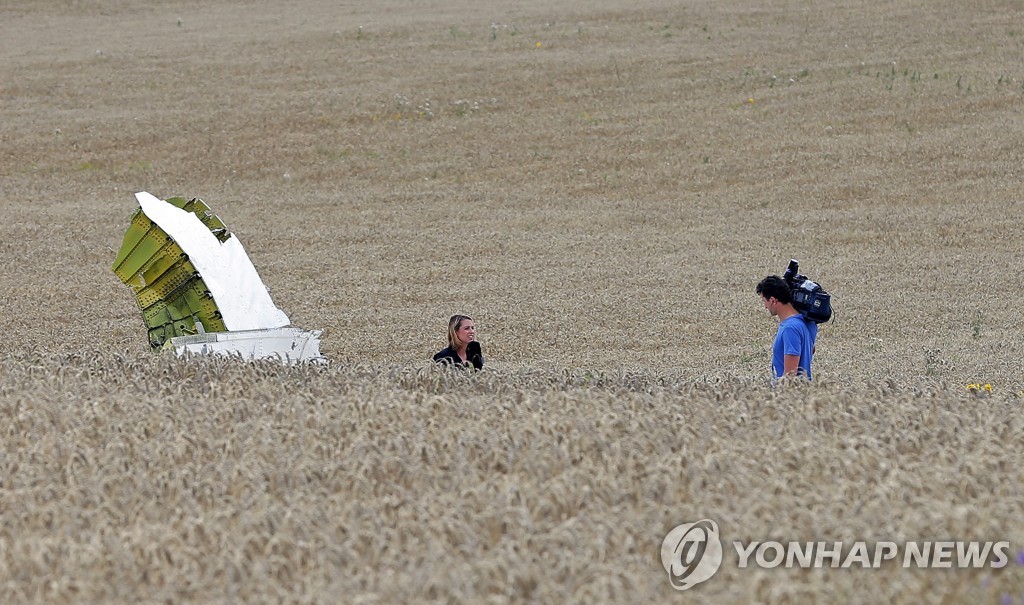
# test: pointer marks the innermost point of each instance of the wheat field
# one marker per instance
(600, 185)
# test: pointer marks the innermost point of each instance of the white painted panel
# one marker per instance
(242, 298)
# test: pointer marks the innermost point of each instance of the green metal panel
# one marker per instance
(170, 292)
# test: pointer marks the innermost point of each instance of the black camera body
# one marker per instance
(809, 298)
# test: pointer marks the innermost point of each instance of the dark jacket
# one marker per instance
(474, 356)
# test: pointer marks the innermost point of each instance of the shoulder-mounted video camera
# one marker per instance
(809, 298)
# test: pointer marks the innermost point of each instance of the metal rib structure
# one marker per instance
(171, 293)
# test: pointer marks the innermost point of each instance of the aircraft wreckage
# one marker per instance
(197, 289)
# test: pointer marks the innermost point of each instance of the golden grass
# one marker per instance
(145, 479)
(600, 185)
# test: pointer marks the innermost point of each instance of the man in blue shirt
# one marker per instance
(794, 342)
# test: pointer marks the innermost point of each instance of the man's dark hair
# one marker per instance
(775, 287)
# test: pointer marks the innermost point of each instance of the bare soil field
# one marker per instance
(600, 185)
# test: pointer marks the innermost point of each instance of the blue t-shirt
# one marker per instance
(796, 336)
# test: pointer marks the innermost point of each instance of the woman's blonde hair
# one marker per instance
(453, 327)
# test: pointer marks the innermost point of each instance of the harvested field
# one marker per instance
(600, 185)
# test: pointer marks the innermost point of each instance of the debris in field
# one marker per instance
(197, 289)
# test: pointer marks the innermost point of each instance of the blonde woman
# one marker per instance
(463, 350)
